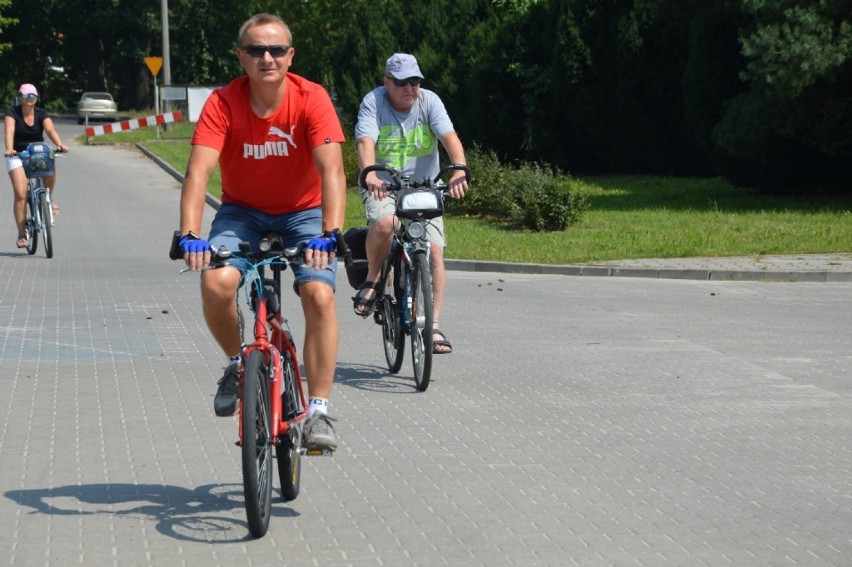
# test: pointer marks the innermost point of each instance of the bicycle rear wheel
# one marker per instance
(422, 320)
(393, 337)
(256, 444)
(290, 447)
(46, 228)
(31, 227)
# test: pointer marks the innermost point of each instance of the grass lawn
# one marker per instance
(628, 217)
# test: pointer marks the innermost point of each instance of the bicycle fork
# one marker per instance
(48, 220)
(272, 359)
(407, 285)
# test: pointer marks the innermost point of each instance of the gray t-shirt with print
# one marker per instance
(407, 141)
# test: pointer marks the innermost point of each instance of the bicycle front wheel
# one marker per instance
(422, 321)
(31, 226)
(290, 447)
(256, 444)
(46, 228)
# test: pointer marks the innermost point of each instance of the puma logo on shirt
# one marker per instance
(271, 147)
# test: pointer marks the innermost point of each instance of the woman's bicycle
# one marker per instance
(272, 403)
(38, 161)
(404, 296)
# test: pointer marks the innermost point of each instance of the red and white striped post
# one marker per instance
(157, 119)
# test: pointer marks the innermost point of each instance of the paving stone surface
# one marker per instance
(580, 421)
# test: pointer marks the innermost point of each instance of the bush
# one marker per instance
(488, 180)
(56, 106)
(530, 196)
(541, 199)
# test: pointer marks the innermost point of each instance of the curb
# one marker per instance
(820, 276)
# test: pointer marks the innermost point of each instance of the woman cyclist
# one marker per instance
(25, 124)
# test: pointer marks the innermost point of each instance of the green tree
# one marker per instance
(757, 90)
(437, 32)
(5, 22)
(35, 53)
(203, 39)
(588, 85)
(72, 45)
(319, 28)
(791, 126)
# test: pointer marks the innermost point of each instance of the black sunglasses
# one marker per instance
(413, 81)
(260, 50)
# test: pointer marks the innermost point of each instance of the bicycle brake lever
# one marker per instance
(204, 269)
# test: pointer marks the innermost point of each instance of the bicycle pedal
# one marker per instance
(318, 452)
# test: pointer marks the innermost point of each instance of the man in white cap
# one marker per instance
(399, 125)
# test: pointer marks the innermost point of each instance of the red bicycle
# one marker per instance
(272, 402)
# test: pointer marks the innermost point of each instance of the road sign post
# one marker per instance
(154, 65)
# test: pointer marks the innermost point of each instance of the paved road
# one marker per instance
(581, 420)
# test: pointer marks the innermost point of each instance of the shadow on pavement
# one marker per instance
(375, 379)
(203, 514)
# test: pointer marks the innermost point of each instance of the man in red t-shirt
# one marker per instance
(277, 141)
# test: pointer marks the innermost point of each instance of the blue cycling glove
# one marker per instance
(191, 244)
(325, 243)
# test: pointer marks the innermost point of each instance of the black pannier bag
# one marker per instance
(356, 240)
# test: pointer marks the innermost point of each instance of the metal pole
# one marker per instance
(157, 103)
(167, 65)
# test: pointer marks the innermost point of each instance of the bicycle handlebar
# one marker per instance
(221, 256)
(270, 246)
(399, 182)
(53, 149)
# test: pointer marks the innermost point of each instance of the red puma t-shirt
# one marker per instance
(267, 163)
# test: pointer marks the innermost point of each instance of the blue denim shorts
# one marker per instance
(234, 224)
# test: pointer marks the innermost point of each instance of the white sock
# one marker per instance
(234, 360)
(317, 405)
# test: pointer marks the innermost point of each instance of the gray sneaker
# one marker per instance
(225, 402)
(319, 434)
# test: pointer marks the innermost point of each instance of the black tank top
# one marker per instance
(24, 133)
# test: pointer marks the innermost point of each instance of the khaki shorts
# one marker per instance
(376, 210)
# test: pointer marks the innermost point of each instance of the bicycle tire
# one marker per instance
(31, 227)
(422, 321)
(392, 335)
(256, 444)
(289, 448)
(46, 229)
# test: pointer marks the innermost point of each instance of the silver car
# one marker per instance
(99, 106)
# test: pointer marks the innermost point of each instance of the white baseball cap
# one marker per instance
(402, 66)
